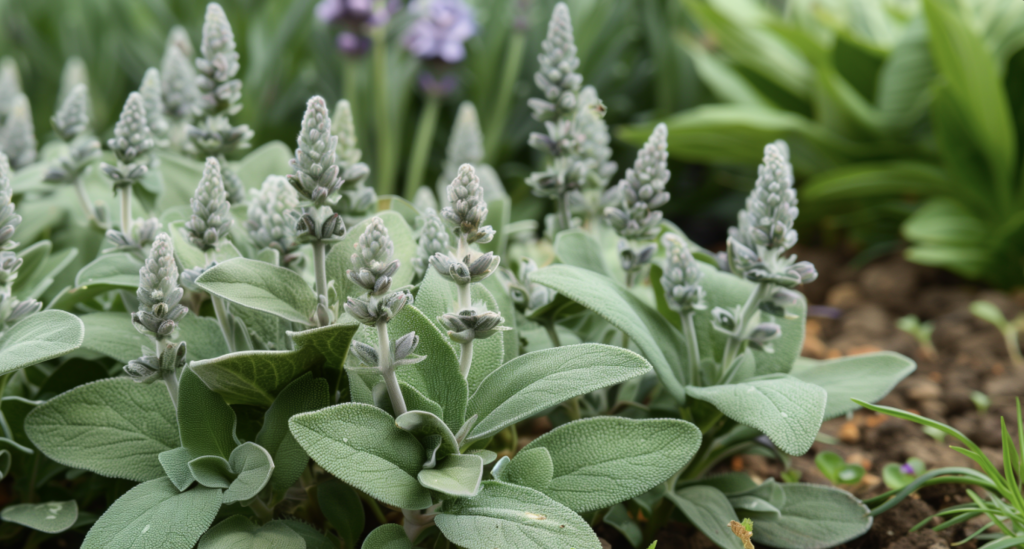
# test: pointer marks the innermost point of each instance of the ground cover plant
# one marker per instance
(276, 353)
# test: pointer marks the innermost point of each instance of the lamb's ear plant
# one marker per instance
(71, 123)
(178, 90)
(131, 145)
(1010, 329)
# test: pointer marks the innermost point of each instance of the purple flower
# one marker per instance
(344, 11)
(440, 31)
(907, 469)
(352, 43)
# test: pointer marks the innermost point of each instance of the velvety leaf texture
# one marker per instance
(709, 511)
(263, 287)
(602, 461)
(387, 536)
(51, 517)
(302, 395)
(114, 427)
(112, 334)
(206, 422)
(457, 475)
(814, 517)
(238, 532)
(38, 338)
(867, 377)
(343, 509)
(339, 258)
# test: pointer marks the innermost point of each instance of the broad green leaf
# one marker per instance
(788, 410)
(175, 464)
(513, 517)
(437, 296)
(252, 465)
(457, 476)
(875, 179)
(728, 291)
(180, 176)
(34, 286)
(113, 427)
(52, 517)
(618, 517)
(660, 342)
(387, 536)
(39, 337)
(814, 516)
(424, 424)
(415, 400)
(254, 377)
(262, 286)
(579, 249)
(754, 507)
(32, 257)
(211, 471)
(340, 257)
(510, 338)
(343, 509)
(238, 532)
(203, 336)
(866, 377)
(534, 382)
(112, 335)
(155, 514)
(531, 467)
(271, 158)
(361, 445)
(206, 422)
(117, 271)
(314, 538)
(602, 461)
(905, 77)
(305, 394)
(709, 511)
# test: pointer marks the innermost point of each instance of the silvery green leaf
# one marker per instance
(112, 335)
(237, 532)
(155, 514)
(424, 424)
(415, 400)
(252, 466)
(305, 394)
(113, 427)
(343, 509)
(618, 517)
(754, 507)
(105, 273)
(532, 468)
(575, 247)
(175, 464)
(867, 377)
(814, 516)
(52, 517)
(361, 445)
(456, 475)
(661, 343)
(211, 471)
(788, 410)
(255, 377)
(339, 259)
(263, 287)
(709, 511)
(532, 383)
(387, 536)
(314, 538)
(510, 338)
(513, 517)
(38, 338)
(606, 460)
(205, 421)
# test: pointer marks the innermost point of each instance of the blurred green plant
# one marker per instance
(902, 115)
(836, 470)
(989, 312)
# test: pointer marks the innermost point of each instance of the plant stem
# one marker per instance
(220, 310)
(735, 342)
(425, 129)
(499, 117)
(83, 199)
(562, 211)
(549, 325)
(320, 266)
(374, 507)
(466, 359)
(260, 509)
(385, 146)
(416, 522)
(387, 369)
(692, 349)
(171, 379)
(126, 210)
(1013, 347)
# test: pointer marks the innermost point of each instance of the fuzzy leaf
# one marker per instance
(252, 465)
(339, 258)
(532, 468)
(786, 409)
(602, 461)
(175, 464)
(238, 532)
(254, 377)
(52, 517)
(262, 286)
(387, 536)
(38, 338)
(314, 538)
(660, 342)
(577, 248)
(343, 509)
(510, 338)
(302, 395)
(513, 517)
(211, 471)
(155, 514)
(203, 335)
(814, 516)
(206, 422)
(361, 445)
(536, 381)
(457, 476)
(112, 335)
(866, 377)
(113, 427)
(709, 511)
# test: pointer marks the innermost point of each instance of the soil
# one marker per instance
(855, 311)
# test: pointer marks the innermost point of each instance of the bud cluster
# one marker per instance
(526, 296)
(270, 221)
(211, 215)
(401, 352)
(557, 77)
(177, 76)
(373, 266)
(18, 133)
(132, 140)
(143, 234)
(152, 99)
(71, 122)
(317, 176)
(10, 85)
(159, 294)
(469, 324)
(642, 191)
(467, 209)
(356, 197)
(11, 308)
(433, 239)
(681, 277)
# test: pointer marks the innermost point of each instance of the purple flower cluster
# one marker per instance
(440, 30)
(356, 16)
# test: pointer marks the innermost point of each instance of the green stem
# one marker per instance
(83, 199)
(374, 508)
(387, 369)
(465, 297)
(562, 211)
(171, 379)
(126, 210)
(385, 145)
(425, 130)
(260, 509)
(1013, 347)
(220, 310)
(549, 325)
(466, 359)
(320, 266)
(692, 349)
(509, 76)
(735, 342)
(416, 522)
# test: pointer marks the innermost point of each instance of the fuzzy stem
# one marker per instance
(126, 210)
(513, 62)
(425, 129)
(549, 325)
(416, 522)
(260, 509)
(385, 146)
(562, 211)
(692, 349)
(171, 379)
(320, 266)
(387, 369)
(465, 297)
(735, 342)
(466, 360)
(83, 199)
(220, 310)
